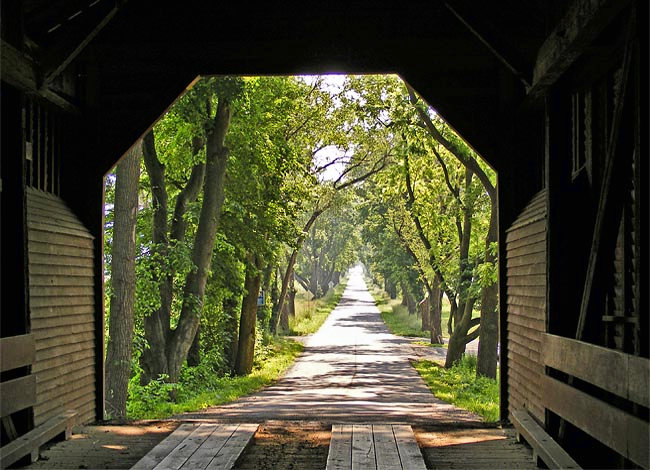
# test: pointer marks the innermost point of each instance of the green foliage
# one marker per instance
(199, 387)
(460, 386)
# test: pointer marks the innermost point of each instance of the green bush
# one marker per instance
(460, 386)
(200, 387)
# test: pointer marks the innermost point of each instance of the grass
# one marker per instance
(199, 388)
(397, 318)
(310, 314)
(460, 386)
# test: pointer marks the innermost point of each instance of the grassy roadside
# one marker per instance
(460, 386)
(199, 387)
(457, 385)
(310, 314)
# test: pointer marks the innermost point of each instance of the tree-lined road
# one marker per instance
(351, 370)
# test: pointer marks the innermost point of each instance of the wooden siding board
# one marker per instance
(44, 236)
(46, 269)
(60, 304)
(60, 342)
(534, 313)
(59, 280)
(606, 368)
(528, 321)
(64, 367)
(51, 250)
(532, 229)
(16, 351)
(78, 328)
(539, 268)
(528, 291)
(538, 247)
(53, 318)
(535, 302)
(52, 228)
(51, 365)
(524, 260)
(62, 291)
(532, 280)
(626, 434)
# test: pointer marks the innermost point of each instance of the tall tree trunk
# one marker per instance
(435, 312)
(157, 324)
(246, 345)
(120, 343)
(290, 265)
(194, 354)
(486, 364)
(405, 294)
(213, 196)
(425, 311)
(230, 305)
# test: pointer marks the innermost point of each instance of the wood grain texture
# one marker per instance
(61, 289)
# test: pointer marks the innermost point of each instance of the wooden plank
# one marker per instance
(50, 249)
(227, 457)
(17, 394)
(211, 446)
(60, 350)
(61, 305)
(528, 291)
(53, 261)
(40, 212)
(525, 241)
(38, 280)
(363, 447)
(71, 357)
(52, 228)
(526, 332)
(409, 451)
(16, 351)
(85, 410)
(524, 260)
(61, 291)
(64, 391)
(386, 453)
(533, 313)
(339, 456)
(66, 330)
(46, 236)
(539, 247)
(155, 455)
(183, 451)
(40, 322)
(622, 374)
(545, 446)
(35, 438)
(532, 229)
(536, 302)
(626, 434)
(66, 366)
(538, 268)
(47, 343)
(60, 270)
(79, 377)
(525, 320)
(532, 280)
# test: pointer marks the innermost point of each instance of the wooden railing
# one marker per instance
(621, 374)
(19, 394)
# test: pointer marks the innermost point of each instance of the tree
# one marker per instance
(118, 351)
(168, 347)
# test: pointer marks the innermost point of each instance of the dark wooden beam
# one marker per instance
(570, 38)
(22, 72)
(55, 70)
(496, 46)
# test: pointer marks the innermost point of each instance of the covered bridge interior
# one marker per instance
(553, 94)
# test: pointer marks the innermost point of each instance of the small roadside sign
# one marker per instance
(261, 299)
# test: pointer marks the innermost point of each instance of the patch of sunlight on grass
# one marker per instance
(311, 313)
(198, 394)
(460, 386)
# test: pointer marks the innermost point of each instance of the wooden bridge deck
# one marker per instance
(374, 447)
(208, 446)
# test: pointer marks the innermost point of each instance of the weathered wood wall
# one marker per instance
(61, 294)
(526, 268)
